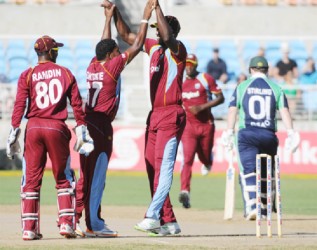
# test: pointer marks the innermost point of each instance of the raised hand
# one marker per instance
(106, 4)
(109, 11)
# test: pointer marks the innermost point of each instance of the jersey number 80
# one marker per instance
(48, 94)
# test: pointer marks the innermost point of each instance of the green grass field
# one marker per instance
(132, 189)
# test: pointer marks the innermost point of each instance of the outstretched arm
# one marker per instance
(106, 34)
(140, 36)
(165, 30)
(122, 28)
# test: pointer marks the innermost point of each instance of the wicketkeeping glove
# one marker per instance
(227, 139)
(84, 143)
(13, 145)
(292, 141)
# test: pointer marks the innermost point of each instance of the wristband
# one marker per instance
(144, 21)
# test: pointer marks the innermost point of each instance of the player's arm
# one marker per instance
(232, 116)
(106, 34)
(122, 27)
(140, 37)
(166, 32)
(215, 102)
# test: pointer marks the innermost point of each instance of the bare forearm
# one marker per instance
(232, 114)
(123, 29)
(106, 34)
(286, 118)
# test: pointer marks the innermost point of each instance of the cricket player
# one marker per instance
(104, 86)
(166, 121)
(43, 91)
(257, 100)
(198, 136)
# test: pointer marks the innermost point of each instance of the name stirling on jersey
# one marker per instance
(257, 91)
(263, 114)
(48, 74)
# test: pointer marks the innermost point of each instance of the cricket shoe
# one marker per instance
(251, 215)
(148, 225)
(205, 170)
(67, 231)
(106, 232)
(184, 199)
(170, 228)
(30, 235)
(79, 231)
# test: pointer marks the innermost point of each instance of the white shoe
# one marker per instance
(30, 235)
(251, 215)
(205, 169)
(106, 232)
(148, 225)
(67, 231)
(170, 228)
(79, 231)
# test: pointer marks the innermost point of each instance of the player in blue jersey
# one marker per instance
(256, 101)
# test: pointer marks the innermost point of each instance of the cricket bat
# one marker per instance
(230, 189)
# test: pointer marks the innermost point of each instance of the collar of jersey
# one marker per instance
(258, 74)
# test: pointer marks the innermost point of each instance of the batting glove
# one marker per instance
(13, 145)
(292, 141)
(84, 143)
(227, 139)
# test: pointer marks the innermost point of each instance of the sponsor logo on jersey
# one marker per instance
(190, 95)
(154, 69)
(262, 124)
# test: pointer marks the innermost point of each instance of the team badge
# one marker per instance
(197, 85)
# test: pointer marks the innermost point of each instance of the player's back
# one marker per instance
(49, 85)
(257, 99)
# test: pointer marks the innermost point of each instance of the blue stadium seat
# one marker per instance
(205, 46)
(251, 45)
(226, 45)
(15, 52)
(3, 66)
(16, 44)
(19, 62)
(274, 45)
(233, 69)
(66, 62)
(297, 45)
(14, 74)
(84, 44)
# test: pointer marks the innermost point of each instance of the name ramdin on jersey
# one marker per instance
(48, 74)
(258, 91)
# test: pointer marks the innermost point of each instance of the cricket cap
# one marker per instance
(172, 22)
(258, 62)
(191, 58)
(46, 43)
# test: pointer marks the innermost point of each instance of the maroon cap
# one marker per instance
(46, 43)
(172, 22)
(191, 58)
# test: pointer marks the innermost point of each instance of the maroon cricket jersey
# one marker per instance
(198, 91)
(166, 73)
(44, 89)
(104, 85)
